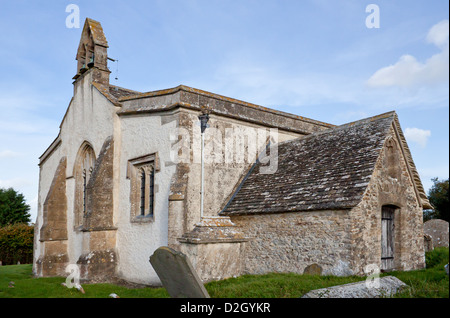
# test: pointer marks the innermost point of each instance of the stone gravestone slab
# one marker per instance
(389, 285)
(313, 269)
(177, 274)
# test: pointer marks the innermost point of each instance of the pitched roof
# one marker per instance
(114, 93)
(325, 170)
(98, 36)
(119, 92)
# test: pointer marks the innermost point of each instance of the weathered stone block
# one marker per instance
(98, 266)
(388, 286)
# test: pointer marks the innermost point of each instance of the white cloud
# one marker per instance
(8, 154)
(409, 72)
(15, 183)
(417, 135)
(439, 34)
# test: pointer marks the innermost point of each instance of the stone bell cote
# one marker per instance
(92, 53)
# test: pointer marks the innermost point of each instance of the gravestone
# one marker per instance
(177, 274)
(427, 243)
(438, 230)
(313, 269)
(388, 286)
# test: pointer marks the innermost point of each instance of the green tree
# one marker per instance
(13, 208)
(16, 244)
(438, 196)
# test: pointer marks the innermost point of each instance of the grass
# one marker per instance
(274, 285)
(26, 286)
(431, 282)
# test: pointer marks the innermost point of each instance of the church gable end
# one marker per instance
(392, 241)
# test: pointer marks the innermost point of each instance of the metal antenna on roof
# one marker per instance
(117, 67)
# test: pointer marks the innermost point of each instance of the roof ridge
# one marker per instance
(372, 118)
(125, 89)
(343, 126)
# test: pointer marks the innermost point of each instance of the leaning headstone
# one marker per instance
(388, 286)
(177, 274)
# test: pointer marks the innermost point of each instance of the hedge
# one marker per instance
(16, 244)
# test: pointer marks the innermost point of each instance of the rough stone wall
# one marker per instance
(391, 184)
(289, 242)
(215, 261)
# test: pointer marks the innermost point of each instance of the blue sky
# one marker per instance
(316, 59)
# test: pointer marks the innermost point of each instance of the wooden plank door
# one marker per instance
(387, 238)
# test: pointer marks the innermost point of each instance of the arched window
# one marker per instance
(147, 191)
(142, 206)
(151, 195)
(84, 165)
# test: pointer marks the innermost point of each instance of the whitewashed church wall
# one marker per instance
(136, 240)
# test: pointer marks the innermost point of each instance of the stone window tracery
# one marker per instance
(141, 172)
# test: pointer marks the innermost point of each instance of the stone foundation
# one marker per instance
(98, 266)
(54, 260)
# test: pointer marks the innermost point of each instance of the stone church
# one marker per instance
(256, 190)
